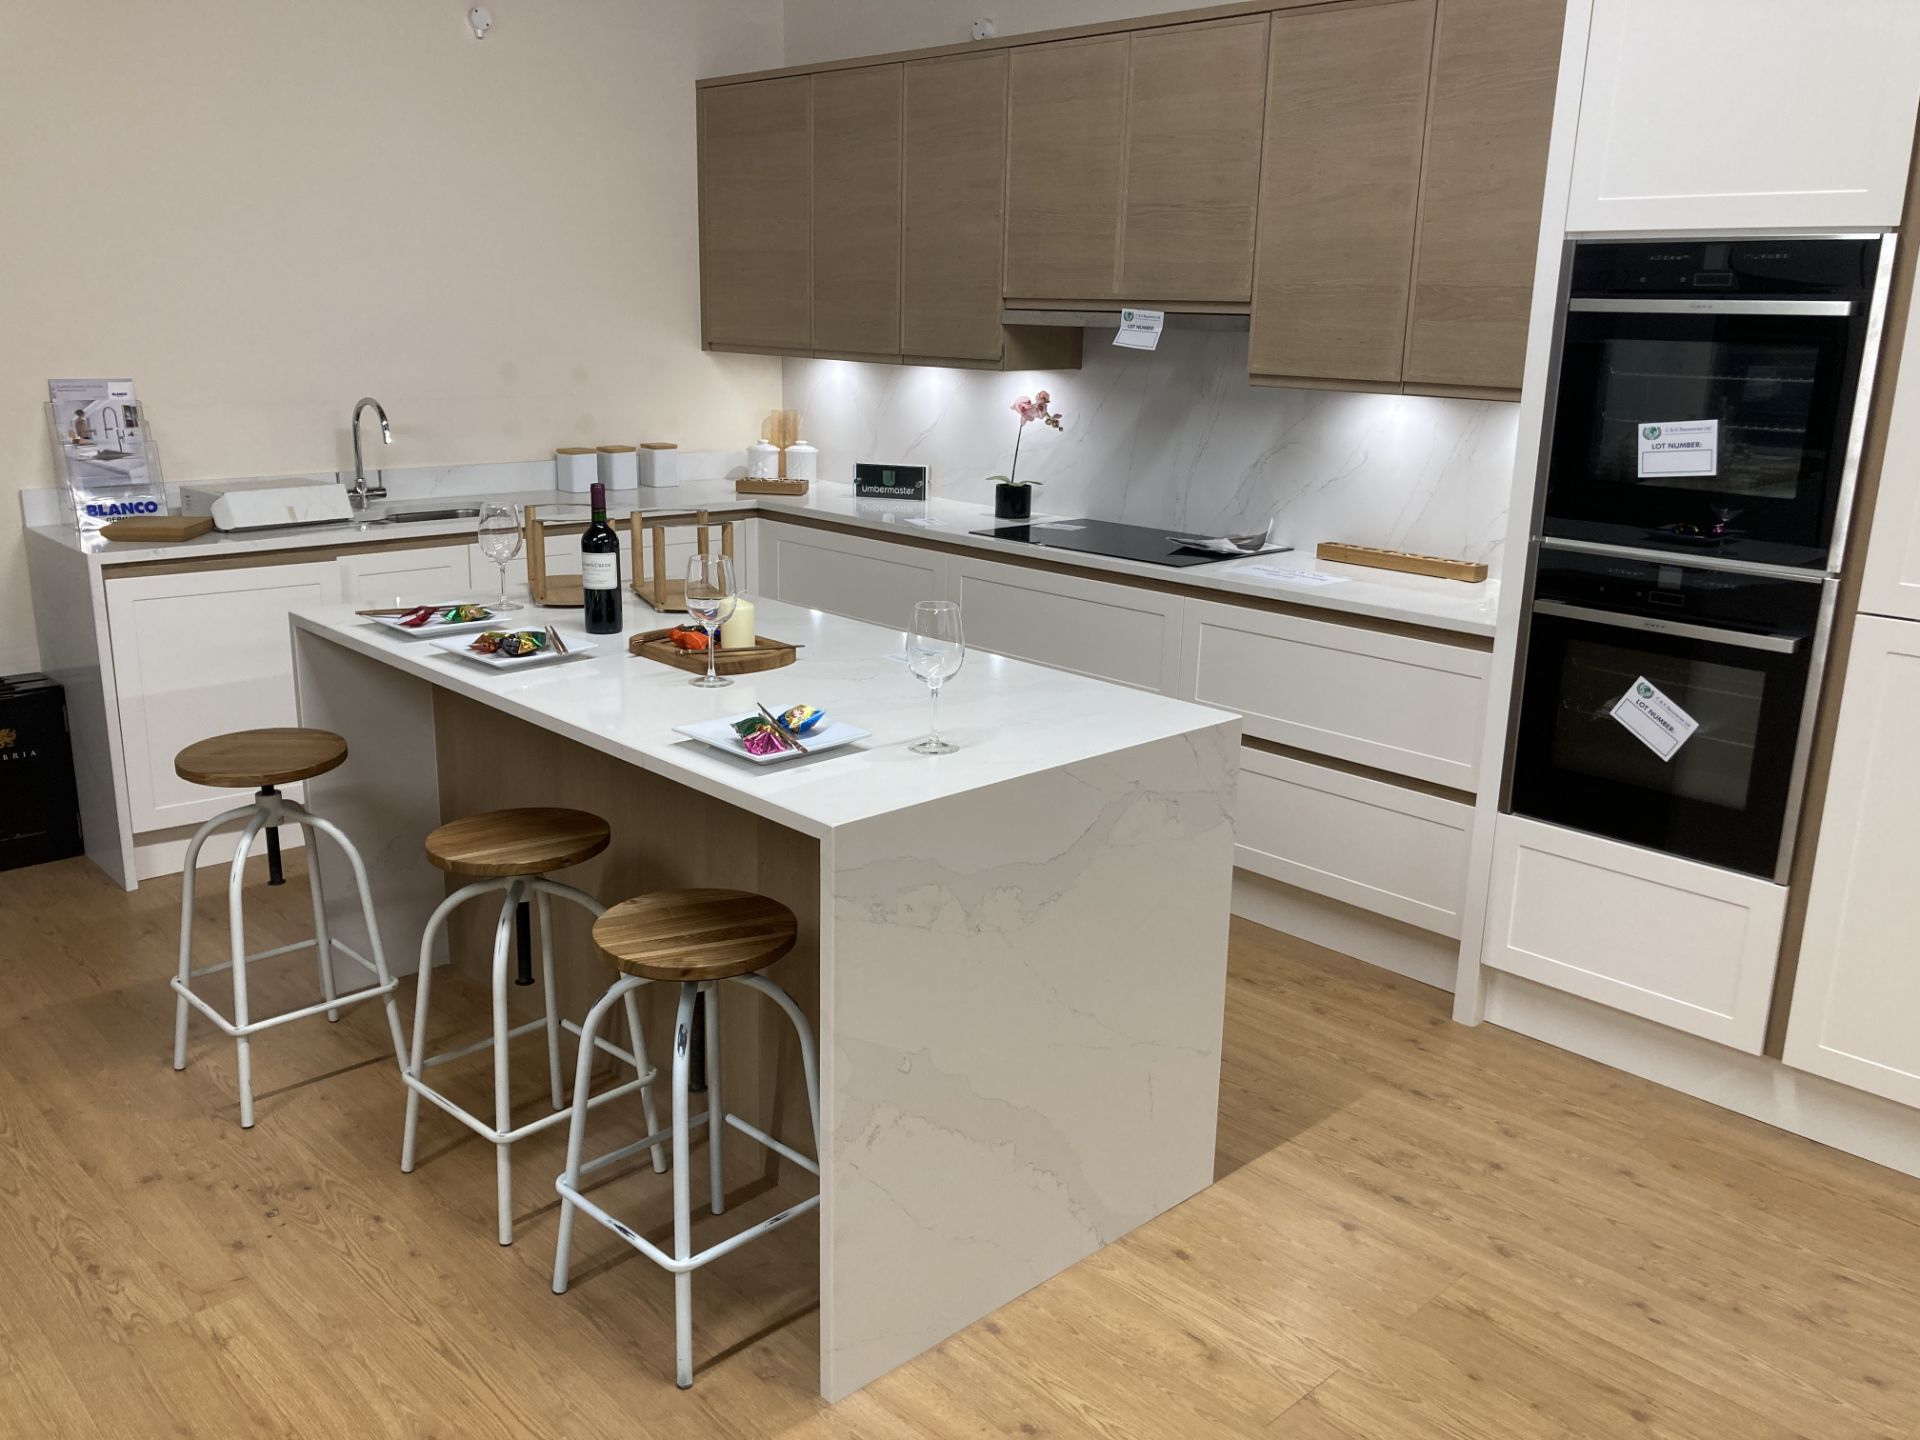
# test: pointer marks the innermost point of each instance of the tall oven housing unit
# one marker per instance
(1707, 413)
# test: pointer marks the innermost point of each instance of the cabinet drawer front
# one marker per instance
(1112, 632)
(238, 676)
(392, 577)
(1393, 702)
(845, 575)
(1684, 944)
(1380, 847)
(1856, 998)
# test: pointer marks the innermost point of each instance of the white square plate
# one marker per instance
(432, 627)
(719, 734)
(576, 643)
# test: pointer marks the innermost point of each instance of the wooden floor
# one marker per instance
(1420, 1230)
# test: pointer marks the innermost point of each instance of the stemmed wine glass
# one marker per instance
(500, 541)
(936, 649)
(710, 600)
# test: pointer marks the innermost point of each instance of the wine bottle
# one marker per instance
(600, 570)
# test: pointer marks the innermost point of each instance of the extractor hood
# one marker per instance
(1104, 319)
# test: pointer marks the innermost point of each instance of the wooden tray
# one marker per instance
(766, 654)
(157, 527)
(1470, 571)
(749, 486)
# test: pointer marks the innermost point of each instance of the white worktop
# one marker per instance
(1010, 718)
(1376, 594)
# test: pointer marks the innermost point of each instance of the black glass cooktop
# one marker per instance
(1148, 543)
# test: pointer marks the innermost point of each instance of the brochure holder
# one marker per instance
(122, 476)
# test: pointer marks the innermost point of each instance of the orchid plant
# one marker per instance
(1028, 408)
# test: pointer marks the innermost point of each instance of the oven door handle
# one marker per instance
(1686, 630)
(1628, 306)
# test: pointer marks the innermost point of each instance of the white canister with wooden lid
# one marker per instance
(620, 467)
(659, 465)
(575, 468)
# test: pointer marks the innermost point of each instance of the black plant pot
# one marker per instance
(1012, 502)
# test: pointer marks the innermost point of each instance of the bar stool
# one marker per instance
(512, 850)
(262, 760)
(698, 938)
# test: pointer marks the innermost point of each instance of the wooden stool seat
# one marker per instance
(695, 935)
(528, 841)
(252, 759)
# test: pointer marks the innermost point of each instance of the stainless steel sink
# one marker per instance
(422, 516)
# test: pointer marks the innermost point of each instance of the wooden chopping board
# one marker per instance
(157, 527)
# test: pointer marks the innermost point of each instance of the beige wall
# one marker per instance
(838, 29)
(263, 209)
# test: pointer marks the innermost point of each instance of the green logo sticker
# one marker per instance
(1127, 316)
(1652, 432)
(1646, 691)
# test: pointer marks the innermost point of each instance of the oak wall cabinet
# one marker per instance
(1496, 64)
(856, 211)
(1066, 143)
(954, 173)
(756, 205)
(1339, 193)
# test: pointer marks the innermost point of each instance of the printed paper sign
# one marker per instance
(1140, 329)
(1679, 447)
(1290, 577)
(1656, 722)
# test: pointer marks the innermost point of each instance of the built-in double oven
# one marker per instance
(1703, 435)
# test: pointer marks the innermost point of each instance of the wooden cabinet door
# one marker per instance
(756, 215)
(1495, 68)
(1066, 129)
(953, 178)
(1194, 99)
(856, 211)
(1857, 991)
(1346, 116)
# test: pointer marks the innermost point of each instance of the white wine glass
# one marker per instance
(500, 541)
(711, 597)
(936, 649)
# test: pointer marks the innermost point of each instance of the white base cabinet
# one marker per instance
(1121, 633)
(1389, 701)
(1856, 997)
(1383, 848)
(199, 653)
(1575, 912)
(849, 575)
(1703, 116)
(399, 577)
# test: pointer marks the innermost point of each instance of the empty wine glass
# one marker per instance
(936, 650)
(710, 600)
(500, 541)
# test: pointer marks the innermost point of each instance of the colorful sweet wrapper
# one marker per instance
(509, 642)
(803, 719)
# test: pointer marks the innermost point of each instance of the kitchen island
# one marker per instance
(1014, 956)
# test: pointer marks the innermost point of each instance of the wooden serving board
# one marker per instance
(157, 527)
(749, 486)
(1470, 571)
(766, 654)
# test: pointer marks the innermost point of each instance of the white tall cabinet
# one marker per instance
(1705, 116)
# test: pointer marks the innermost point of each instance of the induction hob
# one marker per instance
(1147, 543)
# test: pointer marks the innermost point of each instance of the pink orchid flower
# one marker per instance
(1029, 408)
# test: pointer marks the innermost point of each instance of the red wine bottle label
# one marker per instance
(600, 572)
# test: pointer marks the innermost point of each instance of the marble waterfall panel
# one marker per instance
(1178, 437)
(1022, 1055)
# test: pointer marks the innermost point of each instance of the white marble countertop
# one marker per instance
(1010, 718)
(1356, 590)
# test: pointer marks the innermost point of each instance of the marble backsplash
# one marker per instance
(1177, 437)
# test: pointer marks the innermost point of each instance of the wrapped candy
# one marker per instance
(444, 615)
(766, 741)
(509, 642)
(803, 719)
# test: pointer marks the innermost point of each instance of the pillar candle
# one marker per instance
(737, 632)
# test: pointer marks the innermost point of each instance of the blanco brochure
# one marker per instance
(1655, 721)
(1140, 329)
(1680, 447)
(102, 437)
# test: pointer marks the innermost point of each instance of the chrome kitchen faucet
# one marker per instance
(361, 491)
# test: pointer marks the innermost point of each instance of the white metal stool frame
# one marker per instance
(502, 1133)
(683, 1262)
(269, 810)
